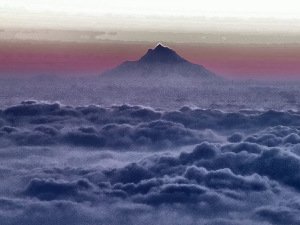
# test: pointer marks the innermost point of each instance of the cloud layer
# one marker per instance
(132, 165)
(33, 123)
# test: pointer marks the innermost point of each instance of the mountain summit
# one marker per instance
(161, 54)
(160, 62)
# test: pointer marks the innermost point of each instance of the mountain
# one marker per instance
(158, 63)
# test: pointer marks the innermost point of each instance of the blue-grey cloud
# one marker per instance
(188, 166)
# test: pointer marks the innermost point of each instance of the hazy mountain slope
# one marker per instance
(158, 63)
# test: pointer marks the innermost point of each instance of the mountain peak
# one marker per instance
(160, 46)
(161, 54)
(161, 62)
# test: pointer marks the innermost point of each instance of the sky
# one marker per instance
(239, 39)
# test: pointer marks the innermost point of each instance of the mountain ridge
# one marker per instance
(161, 54)
(160, 62)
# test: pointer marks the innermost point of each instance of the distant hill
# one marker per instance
(160, 63)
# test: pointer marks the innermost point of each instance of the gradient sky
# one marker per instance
(241, 39)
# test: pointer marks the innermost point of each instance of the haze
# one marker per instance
(237, 39)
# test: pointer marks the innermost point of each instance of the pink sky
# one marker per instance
(235, 61)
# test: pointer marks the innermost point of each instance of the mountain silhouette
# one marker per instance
(160, 62)
(161, 54)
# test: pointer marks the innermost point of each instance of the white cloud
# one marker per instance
(133, 14)
(168, 7)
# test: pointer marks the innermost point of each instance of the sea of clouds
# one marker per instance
(131, 164)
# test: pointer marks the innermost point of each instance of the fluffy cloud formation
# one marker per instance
(32, 123)
(43, 124)
(188, 166)
(215, 180)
